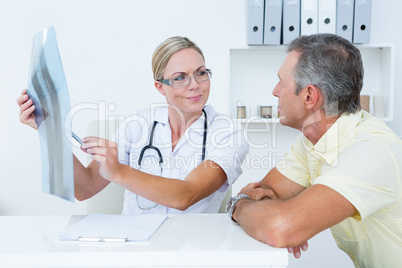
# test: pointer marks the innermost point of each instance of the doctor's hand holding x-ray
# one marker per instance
(181, 76)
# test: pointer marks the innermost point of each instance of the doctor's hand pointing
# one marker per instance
(104, 152)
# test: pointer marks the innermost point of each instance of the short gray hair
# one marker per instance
(332, 64)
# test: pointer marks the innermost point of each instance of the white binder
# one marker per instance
(291, 20)
(309, 17)
(326, 16)
(255, 22)
(273, 22)
(344, 18)
(362, 23)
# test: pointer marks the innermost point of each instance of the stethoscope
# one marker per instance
(142, 202)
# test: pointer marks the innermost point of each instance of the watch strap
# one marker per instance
(232, 204)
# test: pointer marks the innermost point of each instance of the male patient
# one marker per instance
(344, 170)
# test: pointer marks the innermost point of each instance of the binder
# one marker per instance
(362, 23)
(344, 18)
(326, 16)
(255, 22)
(291, 20)
(309, 17)
(273, 22)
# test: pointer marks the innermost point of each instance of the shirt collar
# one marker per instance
(198, 125)
(161, 115)
(333, 141)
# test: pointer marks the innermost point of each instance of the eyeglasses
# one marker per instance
(184, 79)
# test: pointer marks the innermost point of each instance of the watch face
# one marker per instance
(230, 204)
(231, 201)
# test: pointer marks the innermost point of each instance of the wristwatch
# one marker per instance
(232, 204)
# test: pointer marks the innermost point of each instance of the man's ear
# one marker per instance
(159, 87)
(313, 97)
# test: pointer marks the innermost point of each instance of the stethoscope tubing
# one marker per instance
(151, 146)
(151, 138)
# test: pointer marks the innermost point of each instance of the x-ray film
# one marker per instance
(47, 87)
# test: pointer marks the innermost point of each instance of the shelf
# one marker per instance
(253, 76)
(256, 124)
(257, 120)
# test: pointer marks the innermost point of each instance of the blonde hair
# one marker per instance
(166, 49)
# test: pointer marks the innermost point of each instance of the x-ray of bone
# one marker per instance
(47, 87)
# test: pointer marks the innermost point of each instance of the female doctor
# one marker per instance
(179, 157)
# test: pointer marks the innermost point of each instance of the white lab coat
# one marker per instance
(225, 145)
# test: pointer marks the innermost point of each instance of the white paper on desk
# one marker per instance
(130, 227)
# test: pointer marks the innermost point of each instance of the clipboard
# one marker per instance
(100, 228)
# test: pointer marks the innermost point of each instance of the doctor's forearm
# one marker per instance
(87, 181)
(172, 193)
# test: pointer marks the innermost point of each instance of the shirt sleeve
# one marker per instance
(130, 135)
(227, 147)
(367, 174)
(295, 164)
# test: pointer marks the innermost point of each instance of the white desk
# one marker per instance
(204, 240)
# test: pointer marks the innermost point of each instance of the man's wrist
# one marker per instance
(237, 209)
(232, 204)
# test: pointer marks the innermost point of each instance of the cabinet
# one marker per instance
(253, 76)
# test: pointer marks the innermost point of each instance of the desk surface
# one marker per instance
(201, 240)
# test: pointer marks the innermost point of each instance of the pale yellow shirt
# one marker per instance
(360, 158)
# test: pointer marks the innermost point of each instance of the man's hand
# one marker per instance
(296, 250)
(256, 192)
